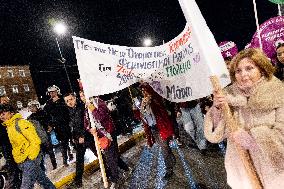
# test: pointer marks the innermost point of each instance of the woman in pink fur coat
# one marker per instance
(256, 99)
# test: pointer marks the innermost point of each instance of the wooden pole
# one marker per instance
(243, 153)
(98, 148)
(129, 90)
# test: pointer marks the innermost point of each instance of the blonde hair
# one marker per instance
(258, 57)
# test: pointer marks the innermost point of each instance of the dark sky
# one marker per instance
(27, 37)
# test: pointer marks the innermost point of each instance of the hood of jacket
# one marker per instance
(268, 94)
(12, 120)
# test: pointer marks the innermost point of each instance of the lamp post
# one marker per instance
(60, 29)
(147, 42)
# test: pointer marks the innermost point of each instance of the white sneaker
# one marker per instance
(113, 185)
(127, 173)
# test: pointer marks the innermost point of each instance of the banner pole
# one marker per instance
(98, 148)
(279, 10)
(244, 154)
(129, 90)
(257, 23)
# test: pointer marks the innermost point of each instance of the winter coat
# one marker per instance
(163, 122)
(77, 120)
(41, 117)
(25, 145)
(280, 71)
(59, 118)
(262, 115)
(102, 115)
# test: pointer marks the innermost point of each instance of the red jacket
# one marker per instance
(163, 121)
(102, 115)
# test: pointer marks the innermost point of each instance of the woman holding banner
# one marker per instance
(157, 125)
(256, 99)
(108, 140)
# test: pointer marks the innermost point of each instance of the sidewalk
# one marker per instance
(64, 175)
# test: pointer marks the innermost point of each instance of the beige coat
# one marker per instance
(261, 114)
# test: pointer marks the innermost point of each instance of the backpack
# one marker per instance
(39, 130)
(53, 138)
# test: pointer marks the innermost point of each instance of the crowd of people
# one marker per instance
(255, 98)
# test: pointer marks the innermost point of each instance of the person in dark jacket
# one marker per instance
(58, 112)
(81, 137)
(280, 62)
(40, 116)
(106, 128)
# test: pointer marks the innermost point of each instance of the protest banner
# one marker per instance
(176, 70)
(271, 34)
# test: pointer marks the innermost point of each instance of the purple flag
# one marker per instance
(271, 34)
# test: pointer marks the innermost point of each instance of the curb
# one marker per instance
(132, 141)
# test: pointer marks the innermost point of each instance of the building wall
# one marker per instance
(17, 84)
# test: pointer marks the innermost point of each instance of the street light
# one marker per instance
(147, 42)
(60, 29)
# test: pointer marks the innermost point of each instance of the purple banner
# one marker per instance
(228, 49)
(271, 34)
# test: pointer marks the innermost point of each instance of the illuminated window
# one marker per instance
(26, 88)
(2, 90)
(15, 89)
(10, 73)
(22, 73)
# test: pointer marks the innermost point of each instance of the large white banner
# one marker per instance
(179, 70)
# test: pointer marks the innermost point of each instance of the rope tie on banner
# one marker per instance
(257, 24)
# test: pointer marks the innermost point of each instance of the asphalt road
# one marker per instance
(192, 170)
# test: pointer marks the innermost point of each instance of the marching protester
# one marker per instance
(57, 111)
(157, 125)
(25, 148)
(256, 99)
(39, 115)
(124, 116)
(121, 164)
(184, 137)
(280, 62)
(80, 135)
(193, 123)
(14, 174)
(108, 140)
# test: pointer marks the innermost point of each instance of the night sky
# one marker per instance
(28, 38)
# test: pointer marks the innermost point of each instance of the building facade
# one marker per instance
(16, 82)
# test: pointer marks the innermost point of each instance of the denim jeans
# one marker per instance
(168, 155)
(193, 124)
(32, 173)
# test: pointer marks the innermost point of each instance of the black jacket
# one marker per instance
(280, 71)
(41, 117)
(58, 117)
(77, 120)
